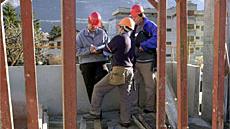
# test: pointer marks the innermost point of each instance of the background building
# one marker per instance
(195, 33)
(195, 30)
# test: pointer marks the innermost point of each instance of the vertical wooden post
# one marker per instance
(69, 64)
(218, 69)
(29, 64)
(161, 65)
(182, 94)
(5, 98)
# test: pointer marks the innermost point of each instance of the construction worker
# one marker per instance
(92, 61)
(121, 75)
(145, 38)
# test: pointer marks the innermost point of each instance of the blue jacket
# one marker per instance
(151, 28)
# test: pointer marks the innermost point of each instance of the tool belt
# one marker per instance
(117, 76)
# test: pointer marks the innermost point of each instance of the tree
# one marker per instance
(55, 32)
(13, 34)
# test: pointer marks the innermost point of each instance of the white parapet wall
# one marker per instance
(49, 81)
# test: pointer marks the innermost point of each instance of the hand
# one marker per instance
(141, 49)
(92, 49)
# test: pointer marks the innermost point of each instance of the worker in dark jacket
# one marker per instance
(92, 61)
(121, 75)
(145, 38)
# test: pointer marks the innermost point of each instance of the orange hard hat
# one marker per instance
(136, 9)
(127, 22)
(95, 19)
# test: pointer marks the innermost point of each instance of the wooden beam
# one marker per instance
(181, 12)
(2, 1)
(154, 3)
(219, 65)
(5, 99)
(161, 65)
(69, 90)
(29, 64)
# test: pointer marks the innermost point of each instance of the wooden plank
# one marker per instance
(142, 120)
(29, 64)
(6, 116)
(137, 122)
(154, 3)
(181, 11)
(218, 69)
(161, 66)
(69, 90)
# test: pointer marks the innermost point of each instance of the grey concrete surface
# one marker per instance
(193, 73)
(227, 101)
(171, 105)
(208, 60)
(49, 91)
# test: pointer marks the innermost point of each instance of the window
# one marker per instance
(197, 48)
(174, 15)
(190, 12)
(168, 43)
(169, 29)
(191, 50)
(190, 38)
(51, 45)
(168, 55)
(168, 17)
(197, 37)
(59, 44)
(202, 28)
(190, 26)
(197, 27)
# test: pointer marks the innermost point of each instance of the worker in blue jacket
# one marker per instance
(145, 38)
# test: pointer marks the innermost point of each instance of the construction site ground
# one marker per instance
(110, 120)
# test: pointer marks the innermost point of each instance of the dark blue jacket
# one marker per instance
(122, 49)
(151, 28)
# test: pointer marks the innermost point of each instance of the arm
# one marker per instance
(111, 46)
(151, 42)
(81, 50)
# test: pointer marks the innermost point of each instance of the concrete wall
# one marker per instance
(208, 60)
(227, 102)
(49, 90)
(193, 73)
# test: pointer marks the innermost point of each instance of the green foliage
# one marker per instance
(13, 34)
(55, 32)
(10, 16)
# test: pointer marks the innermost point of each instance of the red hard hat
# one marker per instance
(136, 9)
(95, 19)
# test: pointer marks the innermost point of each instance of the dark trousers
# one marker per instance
(93, 73)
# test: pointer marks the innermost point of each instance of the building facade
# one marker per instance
(195, 30)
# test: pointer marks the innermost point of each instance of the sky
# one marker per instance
(200, 3)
